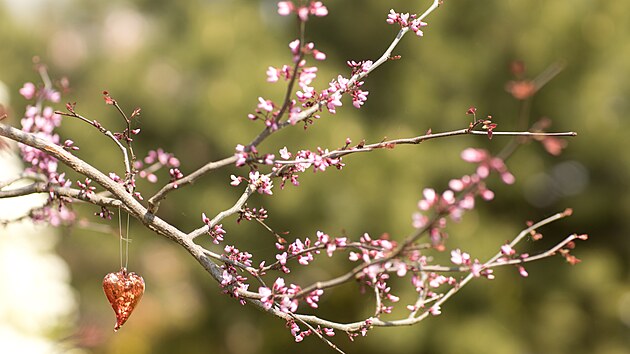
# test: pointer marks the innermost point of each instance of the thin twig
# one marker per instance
(222, 215)
(37, 177)
(316, 332)
(41, 187)
(154, 201)
(106, 132)
(419, 139)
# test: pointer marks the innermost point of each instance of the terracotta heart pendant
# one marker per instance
(123, 290)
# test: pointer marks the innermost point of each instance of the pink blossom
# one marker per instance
(401, 268)
(468, 202)
(313, 298)
(553, 145)
(474, 155)
(269, 158)
(476, 268)
(175, 174)
(263, 183)
(307, 75)
(456, 184)
(288, 305)
(303, 13)
(241, 155)
(318, 9)
(266, 297)
(28, 90)
(435, 310)
(430, 198)
(416, 26)
(53, 96)
(217, 232)
(295, 46)
(448, 197)
(437, 281)
(460, 258)
(406, 20)
(273, 74)
(359, 97)
(333, 102)
(392, 17)
(235, 180)
(487, 195)
(507, 250)
(309, 92)
(282, 258)
(284, 153)
(419, 220)
(285, 8)
(265, 105)
(507, 178)
(318, 55)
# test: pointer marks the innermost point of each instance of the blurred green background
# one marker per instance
(196, 69)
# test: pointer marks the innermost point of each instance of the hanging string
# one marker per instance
(127, 241)
(120, 239)
(123, 238)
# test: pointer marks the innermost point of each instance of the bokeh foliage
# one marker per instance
(196, 68)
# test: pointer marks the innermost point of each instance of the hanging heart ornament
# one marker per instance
(124, 291)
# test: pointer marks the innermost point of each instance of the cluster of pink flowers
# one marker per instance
(406, 20)
(86, 188)
(263, 183)
(129, 184)
(373, 249)
(510, 253)
(487, 163)
(460, 196)
(243, 154)
(331, 97)
(155, 160)
(41, 120)
(175, 175)
(307, 95)
(216, 232)
(304, 159)
(232, 280)
(304, 251)
(476, 268)
(285, 297)
(266, 109)
(426, 285)
(250, 214)
(315, 8)
(299, 335)
(280, 294)
(298, 249)
(376, 274)
(330, 243)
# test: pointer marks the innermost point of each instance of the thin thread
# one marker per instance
(127, 245)
(120, 239)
